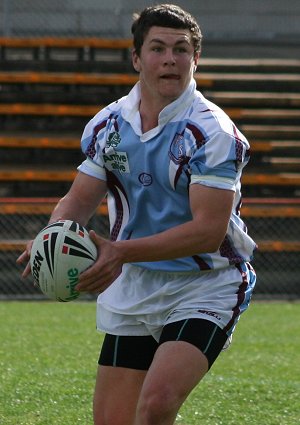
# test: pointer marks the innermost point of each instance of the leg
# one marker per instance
(187, 350)
(123, 365)
(176, 369)
(116, 393)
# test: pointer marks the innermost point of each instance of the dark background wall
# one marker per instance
(236, 28)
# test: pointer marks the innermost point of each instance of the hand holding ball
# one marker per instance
(60, 252)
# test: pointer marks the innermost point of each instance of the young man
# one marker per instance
(175, 276)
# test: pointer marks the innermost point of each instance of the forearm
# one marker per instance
(203, 234)
(69, 208)
(180, 241)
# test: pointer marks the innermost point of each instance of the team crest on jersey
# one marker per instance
(177, 149)
(145, 179)
(113, 140)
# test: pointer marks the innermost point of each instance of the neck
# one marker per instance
(149, 112)
(149, 117)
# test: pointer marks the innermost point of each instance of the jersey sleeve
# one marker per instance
(218, 162)
(92, 169)
(93, 138)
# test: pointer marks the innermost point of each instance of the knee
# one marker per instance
(110, 418)
(156, 405)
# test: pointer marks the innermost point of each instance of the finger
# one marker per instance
(93, 234)
(95, 284)
(98, 240)
(96, 272)
(95, 287)
(27, 270)
(89, 273)
(85, 281)
(23, 257)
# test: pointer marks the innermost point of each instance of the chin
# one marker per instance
(171, 95)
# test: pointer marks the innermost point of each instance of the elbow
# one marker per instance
(210, 235)
(215, 241)
(213, 247)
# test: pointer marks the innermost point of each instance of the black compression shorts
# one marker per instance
(137, 352)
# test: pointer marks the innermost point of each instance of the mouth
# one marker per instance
(170, 77)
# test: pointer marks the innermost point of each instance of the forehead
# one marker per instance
(168, 35)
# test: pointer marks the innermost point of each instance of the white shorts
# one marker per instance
(141, 302)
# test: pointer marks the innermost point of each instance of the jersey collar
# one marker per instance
(130, 109)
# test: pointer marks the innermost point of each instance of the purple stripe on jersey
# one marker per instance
(179, 172)
(91, 150)
(114, 186)
(239, 147)
(200, 139)
(241, 293)
(119, 217)
(116, 125)
(201, 263)
(226, 250)
(177, 175)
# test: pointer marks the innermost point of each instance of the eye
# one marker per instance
(156, 48)
(180, 50)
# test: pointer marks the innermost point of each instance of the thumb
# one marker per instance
(95, 238)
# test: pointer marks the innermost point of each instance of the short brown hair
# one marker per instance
(164, 15)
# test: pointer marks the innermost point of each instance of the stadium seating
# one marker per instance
(50, 88)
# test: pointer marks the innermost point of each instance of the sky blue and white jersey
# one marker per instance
(148, 174)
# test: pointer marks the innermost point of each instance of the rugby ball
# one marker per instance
(60, 252)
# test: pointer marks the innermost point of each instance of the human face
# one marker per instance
(166, 64)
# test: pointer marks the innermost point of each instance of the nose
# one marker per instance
(169, 57)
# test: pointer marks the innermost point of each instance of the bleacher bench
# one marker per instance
(255, 207)
(236, 114)
(69, 142)
(42, 47)
(204, 79)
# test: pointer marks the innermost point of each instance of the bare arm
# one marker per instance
(80, 203)
(211, 209)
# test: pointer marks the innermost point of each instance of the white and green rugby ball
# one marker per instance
(60, 252)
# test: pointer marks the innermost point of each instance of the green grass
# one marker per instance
(48, 360)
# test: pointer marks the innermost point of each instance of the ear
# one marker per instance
(196, 60)
(135, 61)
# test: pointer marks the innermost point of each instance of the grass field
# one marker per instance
(48, 356)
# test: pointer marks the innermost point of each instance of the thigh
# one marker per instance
(123, 364)
(187, 349)
(116, 394)
(203, 334)
(176, 369)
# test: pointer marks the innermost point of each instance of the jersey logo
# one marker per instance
(113, 140)
(145, 179)
(116, 161)
(177, 149)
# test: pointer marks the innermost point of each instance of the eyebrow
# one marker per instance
(157, 40)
